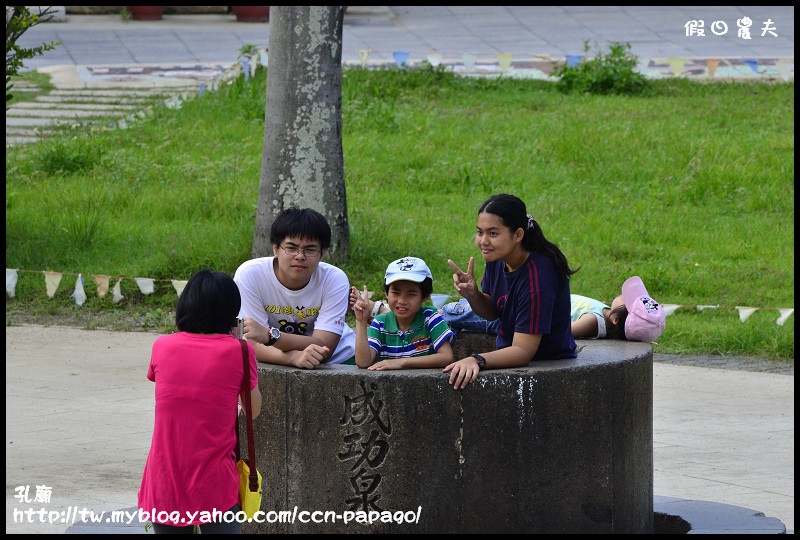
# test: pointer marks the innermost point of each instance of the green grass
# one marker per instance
(28, 85)
(690, 186)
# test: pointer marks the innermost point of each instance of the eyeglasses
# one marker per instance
(311, 252)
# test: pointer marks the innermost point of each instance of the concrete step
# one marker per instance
(111, 93)
(30, 121)
(94, 99)
(16, 112)
(27, 108)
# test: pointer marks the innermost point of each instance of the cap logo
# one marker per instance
(405, 264)
(649, 304)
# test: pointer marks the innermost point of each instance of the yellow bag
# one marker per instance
(250, 501)
(249, 483)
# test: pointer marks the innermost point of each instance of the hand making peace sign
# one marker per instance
(464, 282)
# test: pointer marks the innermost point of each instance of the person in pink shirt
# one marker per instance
(198, 373)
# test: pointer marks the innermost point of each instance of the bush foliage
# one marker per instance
(613, 72)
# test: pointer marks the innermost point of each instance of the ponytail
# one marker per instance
(512, 212)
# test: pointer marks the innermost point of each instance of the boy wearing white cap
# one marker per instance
(409, 335)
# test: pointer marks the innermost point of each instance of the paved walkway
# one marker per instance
(654, 32)
(79, 417)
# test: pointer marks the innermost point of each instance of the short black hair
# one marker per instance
(305, 223)
(209, 303)
(426, 285)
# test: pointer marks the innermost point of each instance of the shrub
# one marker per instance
(610, 73)
(18, 20)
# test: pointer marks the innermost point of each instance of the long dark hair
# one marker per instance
(512, 212)
(617, 331)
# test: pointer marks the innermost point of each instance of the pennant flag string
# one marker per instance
(147, 286)
(523, 62)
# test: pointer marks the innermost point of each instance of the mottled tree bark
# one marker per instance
(302, 164)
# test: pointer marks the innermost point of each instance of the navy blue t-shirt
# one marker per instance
(532, 300)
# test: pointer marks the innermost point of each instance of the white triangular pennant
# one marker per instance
(117, 292)
(434, 58)
(669, 309)
(701, 308)
(145, 285)
(785, 68)
(179, 285)
(363, 54)
(11, 282)
(79, 294)
(745, 312)
(469, 60)
(785, 314)
(52, 279)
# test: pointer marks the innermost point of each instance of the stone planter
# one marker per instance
(145, 13)
(251, 13)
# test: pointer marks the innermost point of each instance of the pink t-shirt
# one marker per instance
(191, 467)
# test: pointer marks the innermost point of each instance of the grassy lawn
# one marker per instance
(690, 186)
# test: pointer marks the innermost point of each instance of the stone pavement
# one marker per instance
(79, 417)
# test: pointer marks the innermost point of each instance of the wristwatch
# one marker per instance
(274, 336)
(481, 360)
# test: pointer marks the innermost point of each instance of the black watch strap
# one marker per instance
(481, 360)
(274, 334)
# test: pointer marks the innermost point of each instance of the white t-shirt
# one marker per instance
(322, 304)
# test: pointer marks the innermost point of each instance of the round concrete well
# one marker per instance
(555, 447)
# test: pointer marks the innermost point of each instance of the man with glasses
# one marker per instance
(293, 304)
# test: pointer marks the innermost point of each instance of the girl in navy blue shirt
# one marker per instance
(525, 285)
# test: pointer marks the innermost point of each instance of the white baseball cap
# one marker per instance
(646, 318)
(407, 269)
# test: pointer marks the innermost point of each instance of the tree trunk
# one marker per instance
(302, 164)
